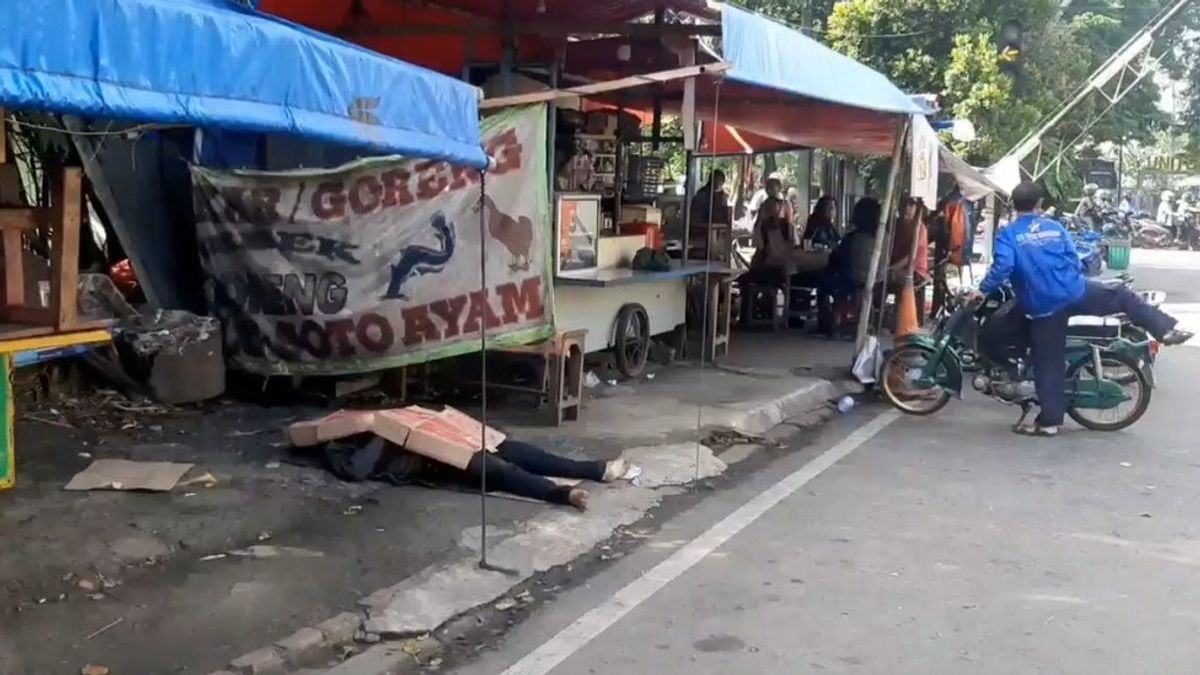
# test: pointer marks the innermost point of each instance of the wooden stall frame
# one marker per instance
(65, 217)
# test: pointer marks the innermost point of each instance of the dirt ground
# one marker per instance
(77, 562)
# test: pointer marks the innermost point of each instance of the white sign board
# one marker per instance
(924, 184)
(377, 264)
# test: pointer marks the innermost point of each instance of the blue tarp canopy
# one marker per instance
(210, 63)
(768, 54)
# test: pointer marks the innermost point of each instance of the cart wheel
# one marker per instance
(631, 343)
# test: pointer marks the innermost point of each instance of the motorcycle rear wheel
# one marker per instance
(898, 370)
(1131, 375)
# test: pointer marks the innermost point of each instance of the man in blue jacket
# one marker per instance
(1036, 254)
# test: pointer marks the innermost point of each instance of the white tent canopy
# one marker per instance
(975, 185)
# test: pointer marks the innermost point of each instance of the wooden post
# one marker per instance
(14, 269)
(8, 450)
(64, 253)
(864, 315)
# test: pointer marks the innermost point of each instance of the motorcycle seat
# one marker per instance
(1094, 326)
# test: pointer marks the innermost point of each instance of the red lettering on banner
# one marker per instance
(344, 338)
(481, 309)
(365, 195)
(378, 340)
(329, 201)
(309, 336)
(463, 176)
(368, 193)
(450, 311)
(418, 327)
(431, 179)
(525, 300)
(506, 149)
(339, 331)
(395, 188)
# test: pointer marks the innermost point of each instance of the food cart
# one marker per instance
(605, 214)
(775, 84)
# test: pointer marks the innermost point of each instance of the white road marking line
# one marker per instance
(600, 618)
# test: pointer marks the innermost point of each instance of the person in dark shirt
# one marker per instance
(821, 229)
(711, 203)
(850, 263)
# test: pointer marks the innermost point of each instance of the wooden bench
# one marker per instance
(9, 348)
(559, 364)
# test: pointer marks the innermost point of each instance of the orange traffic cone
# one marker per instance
(906, 312)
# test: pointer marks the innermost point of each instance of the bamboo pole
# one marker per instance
(864, 315)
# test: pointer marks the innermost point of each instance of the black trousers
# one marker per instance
(520, 468)
(1048, 340)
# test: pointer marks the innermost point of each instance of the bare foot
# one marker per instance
(578, 498)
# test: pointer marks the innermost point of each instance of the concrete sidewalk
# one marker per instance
(401, 559)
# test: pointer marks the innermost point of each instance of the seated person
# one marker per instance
(850, 264)
(773, 240)
(820, 229)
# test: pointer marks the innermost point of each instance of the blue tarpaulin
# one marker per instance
(768, 54)
(211, 63)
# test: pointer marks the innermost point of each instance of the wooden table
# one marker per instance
(9, 350)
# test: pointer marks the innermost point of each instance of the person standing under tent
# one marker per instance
(710, 204)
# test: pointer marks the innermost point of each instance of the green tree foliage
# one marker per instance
(949, 48)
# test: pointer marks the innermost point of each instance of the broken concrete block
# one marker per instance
(259, 662)
(340, 629)
(178, 354)
(301, 644)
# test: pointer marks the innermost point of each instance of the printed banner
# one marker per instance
(377, 264)
(925, 145)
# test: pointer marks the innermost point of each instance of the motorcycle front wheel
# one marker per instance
(897, 381)
(1128, 373)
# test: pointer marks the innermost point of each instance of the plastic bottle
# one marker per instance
(845, 404)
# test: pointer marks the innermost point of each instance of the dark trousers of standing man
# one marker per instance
(1048, 340)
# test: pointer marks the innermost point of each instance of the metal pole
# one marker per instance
(864, 316)
(689, 191)
(1120, 170)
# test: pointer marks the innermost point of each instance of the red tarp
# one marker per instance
(779, 119)
(449, 52)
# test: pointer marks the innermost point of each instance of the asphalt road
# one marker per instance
(926, 546)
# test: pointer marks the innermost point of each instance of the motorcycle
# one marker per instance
(1092, 252)
(1189, 232)
(1107, 387)
(1145, 232)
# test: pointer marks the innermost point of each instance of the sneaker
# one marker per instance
(1176, 337)
(615, 470)
(1034, 429)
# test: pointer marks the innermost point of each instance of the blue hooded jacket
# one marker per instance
(1038, 256)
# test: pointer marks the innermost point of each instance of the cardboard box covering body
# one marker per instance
(450, 436)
